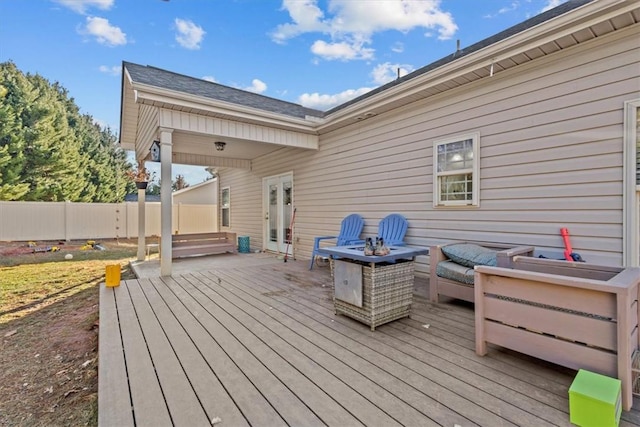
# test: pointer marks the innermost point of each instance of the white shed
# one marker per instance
(205, 193)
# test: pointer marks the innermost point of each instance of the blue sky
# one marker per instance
(318, 53)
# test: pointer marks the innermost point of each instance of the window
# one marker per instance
(225, 207)
(456, 171)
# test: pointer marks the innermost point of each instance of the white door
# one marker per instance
(278, 202)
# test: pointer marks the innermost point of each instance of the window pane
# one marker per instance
(455, 156)
(455, 170)
(225, 217)
(457, 187)
(273, 213)
(225, 197)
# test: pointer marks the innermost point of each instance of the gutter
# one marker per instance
(575, 20)
(149, 94)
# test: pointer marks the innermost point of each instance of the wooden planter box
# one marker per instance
(387, 292)
(582, 316)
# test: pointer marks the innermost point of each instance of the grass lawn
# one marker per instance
(49, 331)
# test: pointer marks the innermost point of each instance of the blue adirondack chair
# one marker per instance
(392, 229)
(350, 230)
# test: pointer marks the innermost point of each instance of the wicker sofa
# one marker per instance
(452, 265)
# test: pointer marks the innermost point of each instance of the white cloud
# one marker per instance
(189, 34)
(114, 70)
(384, 73)
(210, 79)
(306, 17)
(349, 23)
(325, 102)
(506, 9)
(513, 6)
(257, 86)
(81, 6)
(342, 50)
(398, 47)
(551, 4)
(104, 32)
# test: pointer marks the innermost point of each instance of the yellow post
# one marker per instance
(112, 275)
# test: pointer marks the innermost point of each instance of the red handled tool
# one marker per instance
(567, 244)
(569, 255)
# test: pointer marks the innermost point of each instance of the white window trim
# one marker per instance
(223, 207)
(475, 171)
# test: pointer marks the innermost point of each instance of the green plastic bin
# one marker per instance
(595, 400)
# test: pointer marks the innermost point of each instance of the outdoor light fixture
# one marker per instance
(220, 145)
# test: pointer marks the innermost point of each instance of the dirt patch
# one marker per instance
(49, 365)
(49, 348)
(41, 246)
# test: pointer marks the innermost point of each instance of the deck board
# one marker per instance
(261, 345)
(194, 365)
(365, 398)
(466, 398)
(181, 399)
(146, 394)
(112, 371)
(255, 409)
(300, 387)
(398, 381)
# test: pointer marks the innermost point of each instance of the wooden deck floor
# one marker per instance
(261, 346)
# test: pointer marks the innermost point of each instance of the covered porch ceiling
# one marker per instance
(152, 101)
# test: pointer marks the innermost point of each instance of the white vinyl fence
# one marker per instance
(22, 221)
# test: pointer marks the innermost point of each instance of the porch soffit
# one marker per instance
(194, 137)
(199, 122)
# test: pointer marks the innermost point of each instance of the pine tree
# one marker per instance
(14, 93)
(179, 183)
(49, 151)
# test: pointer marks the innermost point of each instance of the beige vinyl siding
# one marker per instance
(550, 157)
(246, 204)
(148, 128)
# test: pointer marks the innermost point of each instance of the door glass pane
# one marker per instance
(286, 210)
(273, 212)
(226, 222)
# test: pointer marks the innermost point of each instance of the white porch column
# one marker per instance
(141, 224)
(165, 201)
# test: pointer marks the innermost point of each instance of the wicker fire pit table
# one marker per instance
(373, 289)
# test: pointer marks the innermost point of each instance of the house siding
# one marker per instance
(551, 148)
(148, 117)
(246, 216)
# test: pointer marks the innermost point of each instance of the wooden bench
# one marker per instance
(578, 315)
(196, 244)
(439, 286)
